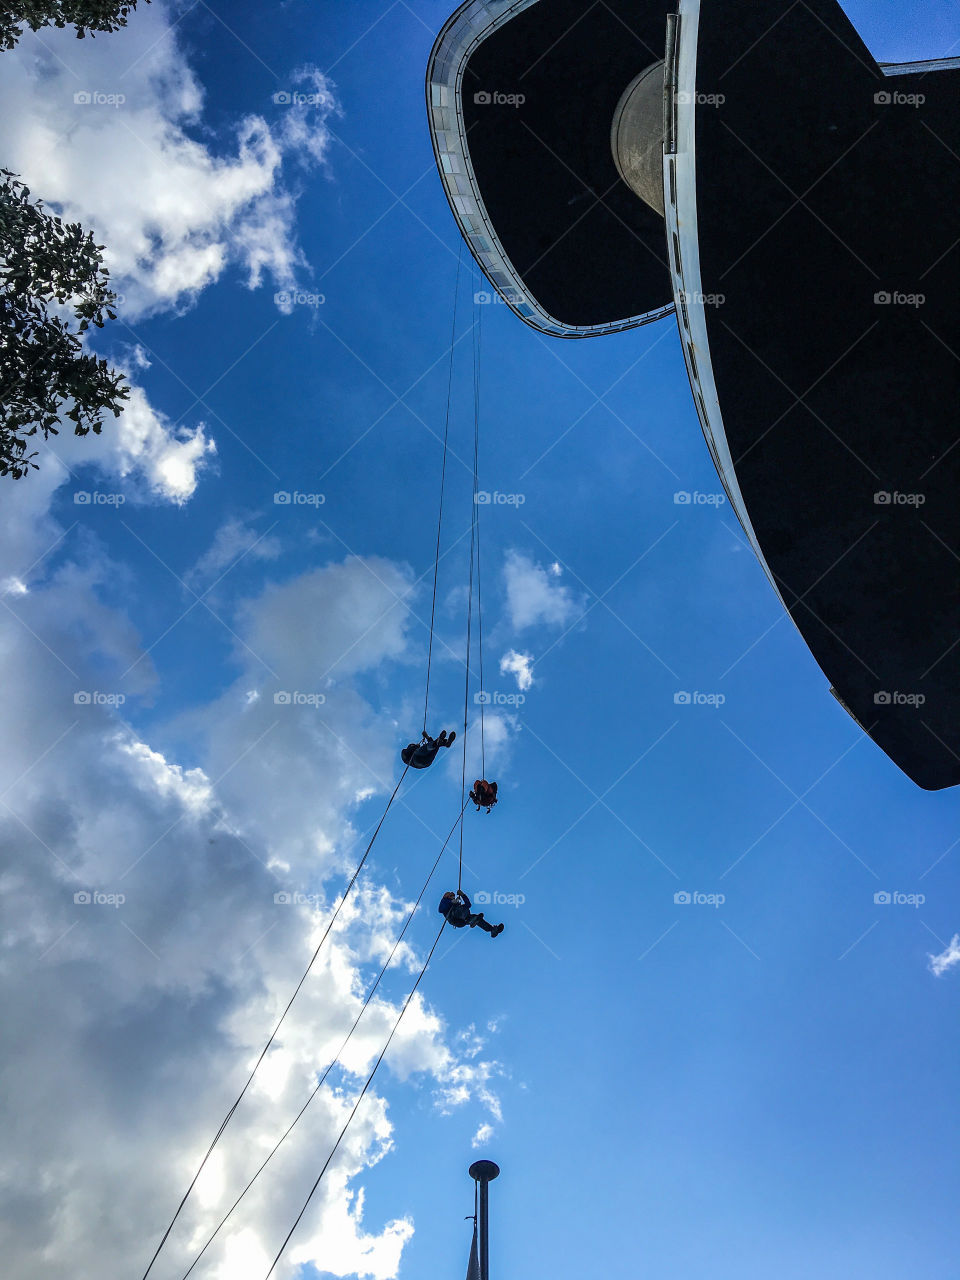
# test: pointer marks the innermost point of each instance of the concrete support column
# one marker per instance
(637, 136)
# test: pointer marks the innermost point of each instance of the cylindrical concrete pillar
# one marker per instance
(637, 136)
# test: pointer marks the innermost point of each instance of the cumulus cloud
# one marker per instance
(166, 459)
(520, 665)
(531, 596)
(141, 453)
(947, 958)
(109, 129)
(145, 956)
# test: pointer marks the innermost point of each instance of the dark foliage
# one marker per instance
(85, 15)
(51, 277)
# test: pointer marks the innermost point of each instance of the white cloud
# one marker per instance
(139, 357)
(482, 1136)
(127, 1027)
(190, 788)
(169, 459)
(531, 597)
(490, 758)
(233, 541)
(519, 665)
(111, 132)
(172, 210)
(947, 958)
(363, 604)
(141, 454)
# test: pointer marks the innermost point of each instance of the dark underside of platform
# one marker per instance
(812, 199)
(587, 249)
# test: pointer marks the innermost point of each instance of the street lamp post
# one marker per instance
(483, 1172)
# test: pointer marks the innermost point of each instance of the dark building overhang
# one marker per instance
(824, 304)
(533, 186)
(804, 185)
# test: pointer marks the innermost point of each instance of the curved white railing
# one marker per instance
(463, 32)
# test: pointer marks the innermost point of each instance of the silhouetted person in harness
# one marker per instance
(458, 911)
(484, 794)
(422, 755)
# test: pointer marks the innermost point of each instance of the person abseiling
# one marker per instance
(484, 794)
(458, 911)
(422, 755)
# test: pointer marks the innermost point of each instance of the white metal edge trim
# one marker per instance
(682, 230)
(456, 42)
(919, 68)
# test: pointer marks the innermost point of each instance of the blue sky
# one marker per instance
(764, 1086)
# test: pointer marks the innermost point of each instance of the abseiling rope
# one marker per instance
(443, 476)
(360, 1098)
(478, 332)
(263, 1053)
(474, 557)
(466, 694)
(474, 544)
(334, 1060)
